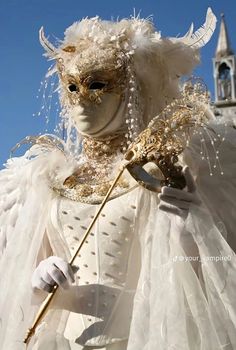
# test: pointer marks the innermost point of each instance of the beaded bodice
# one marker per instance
(102, 298)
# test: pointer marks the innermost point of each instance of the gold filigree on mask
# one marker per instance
(69, 49)
(85, 77)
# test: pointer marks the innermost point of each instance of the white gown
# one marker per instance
(109, 265)
(178, 303)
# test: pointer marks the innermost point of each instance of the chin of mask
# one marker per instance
(102, 119)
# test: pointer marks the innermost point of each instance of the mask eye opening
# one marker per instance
(97, 85)
(72, 88)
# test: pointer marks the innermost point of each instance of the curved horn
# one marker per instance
(189, 32)
(50, 49)
(201, 37)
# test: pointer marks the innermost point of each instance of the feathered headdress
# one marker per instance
(156, 63)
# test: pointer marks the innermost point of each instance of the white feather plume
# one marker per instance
(201, 37)
(49, 48)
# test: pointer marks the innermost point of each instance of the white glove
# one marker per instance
(52, 271)
(178, 202)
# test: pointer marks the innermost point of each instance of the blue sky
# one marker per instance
(23, 67)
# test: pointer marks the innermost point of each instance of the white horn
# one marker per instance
(201, 37)
(189, 32)
(50, 49)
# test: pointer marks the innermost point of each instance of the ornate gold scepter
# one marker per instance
(160, 143)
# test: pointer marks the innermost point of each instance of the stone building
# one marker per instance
(224, 68)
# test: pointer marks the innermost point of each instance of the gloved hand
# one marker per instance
(175, 201)
(51, 271)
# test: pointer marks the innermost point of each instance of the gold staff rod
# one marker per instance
(44, 307)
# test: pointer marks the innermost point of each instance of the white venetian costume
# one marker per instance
(136, 287)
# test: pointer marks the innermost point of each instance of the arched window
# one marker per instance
(224, 82)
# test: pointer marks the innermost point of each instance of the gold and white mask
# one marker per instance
(116, 76)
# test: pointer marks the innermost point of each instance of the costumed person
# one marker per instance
(157, 271)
